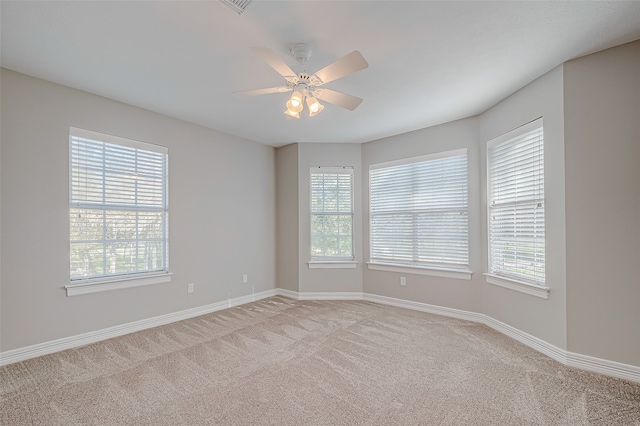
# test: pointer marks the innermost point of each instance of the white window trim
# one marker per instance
(462, 274)
(103, 137)
(521, 286)
(98, 285)
(538, 289)
(320, 264)
(108, 283)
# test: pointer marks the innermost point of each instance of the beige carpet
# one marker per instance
(284, 362)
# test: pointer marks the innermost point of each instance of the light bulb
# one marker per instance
(294, 108)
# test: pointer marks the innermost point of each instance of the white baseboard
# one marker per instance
(570, 359)
(320, 295)
(424, 307)
(330, 296)
(21, 354)
(603, 366)
(533, 342)
(287, 293)
(241, 300)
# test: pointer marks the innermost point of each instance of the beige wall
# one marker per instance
(287, 217)
(222, 213)
(602, 137)
(544, 319)
(448, 292)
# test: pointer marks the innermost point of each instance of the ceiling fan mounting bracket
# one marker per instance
(300, 51)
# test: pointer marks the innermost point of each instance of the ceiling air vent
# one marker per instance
(237, 5)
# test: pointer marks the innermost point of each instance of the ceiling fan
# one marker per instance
(309, 86)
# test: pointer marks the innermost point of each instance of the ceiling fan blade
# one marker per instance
(255, 92)
(273, 61)
(346, 65)
(337, 98)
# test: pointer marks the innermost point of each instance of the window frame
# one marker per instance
(517, 282)
(106, 282)
(426, 268)
(339, 262)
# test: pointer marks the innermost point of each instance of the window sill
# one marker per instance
(333, 264)
(421, 270)
(108, 284)
(521, 286)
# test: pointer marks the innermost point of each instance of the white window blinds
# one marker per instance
(118, 205)
(516, 204)
(419, 211)
(331, 213)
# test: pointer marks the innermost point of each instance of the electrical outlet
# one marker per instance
(403, 280)
(245, 278)
(191, 287)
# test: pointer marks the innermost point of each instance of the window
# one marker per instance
(331, 214)
(118, 208)
(418, 212)
(516, 205)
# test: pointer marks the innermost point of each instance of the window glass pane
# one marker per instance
(345, 247)
(150, 255)
(317, 224)
(87, 259)
(86, 225)
(345, 224)
(331, 246)
(317, 246)
(150, 224)
(330, 225)
(121, 257)
(120, 225)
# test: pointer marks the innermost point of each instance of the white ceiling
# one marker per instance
(429, 62)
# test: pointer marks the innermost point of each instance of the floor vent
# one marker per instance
(237, 5)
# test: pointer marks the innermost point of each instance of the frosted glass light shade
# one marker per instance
(294, 114)
(314, 106)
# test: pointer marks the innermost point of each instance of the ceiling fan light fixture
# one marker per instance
(290, 113)
(318, 111)
(314, 106)
(296, 99)
(305, 85)
(294, 108)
